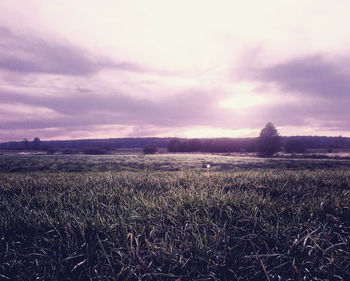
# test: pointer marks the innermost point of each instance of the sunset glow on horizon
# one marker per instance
(127, 68)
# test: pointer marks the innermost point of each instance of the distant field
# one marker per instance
(168, 217)
(163, 162)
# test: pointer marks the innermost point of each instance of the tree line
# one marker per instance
(265, 144)
(88, 146)
(213, 145)
(268, 143)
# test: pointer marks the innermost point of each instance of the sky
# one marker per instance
(184, 68)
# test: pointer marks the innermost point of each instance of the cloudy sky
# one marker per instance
(186, 68)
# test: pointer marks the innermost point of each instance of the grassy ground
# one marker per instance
(158, 162)
(165, 217)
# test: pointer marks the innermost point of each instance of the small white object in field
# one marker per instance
(208, 166)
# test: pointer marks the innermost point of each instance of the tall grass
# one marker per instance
(184, 225)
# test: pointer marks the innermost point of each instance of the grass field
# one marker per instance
(158, 162)
(168, 217)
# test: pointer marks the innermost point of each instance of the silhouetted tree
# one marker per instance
(269, 140)
(295, 146)
(36, 145)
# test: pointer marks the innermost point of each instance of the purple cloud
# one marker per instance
(325, 84)
(320, 87)
(92, 108)
(29, 54)
(309, 75)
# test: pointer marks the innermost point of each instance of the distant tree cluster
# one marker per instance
(220, 145)
(30, 145)
(84, 146)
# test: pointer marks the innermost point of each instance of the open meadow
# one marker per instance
(169, 217)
